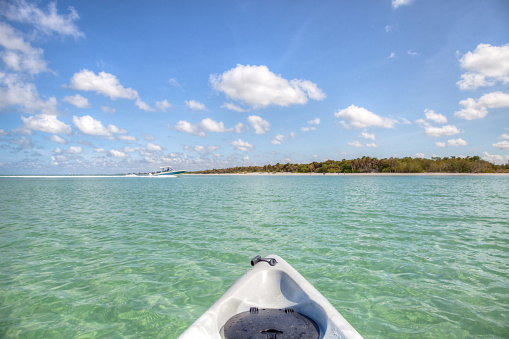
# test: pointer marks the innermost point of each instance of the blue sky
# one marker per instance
(126, 86)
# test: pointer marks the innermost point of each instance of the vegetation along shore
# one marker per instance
(373, 165)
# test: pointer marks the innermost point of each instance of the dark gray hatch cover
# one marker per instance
(270, 323)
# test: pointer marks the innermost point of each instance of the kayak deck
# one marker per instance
(271, 284)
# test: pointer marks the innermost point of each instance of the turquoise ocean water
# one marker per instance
(399, 257)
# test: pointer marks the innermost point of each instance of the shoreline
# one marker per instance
(355, 174)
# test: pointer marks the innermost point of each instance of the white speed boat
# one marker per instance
(165, 171)
(272, 300)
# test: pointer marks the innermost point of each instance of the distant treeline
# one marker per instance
(373, 165)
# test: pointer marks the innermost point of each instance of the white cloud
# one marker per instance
(418, 156)
(102, 83)
(486, 66)
(243, 146)
(412, 53)
(201, 128)
(47, 22)
(359, 117)
(127, 138)
(258, 87)
(495, 159)
(456, 142)
(355, 143)
(118, 154)
(88, 125)
(261, 126)
(397, 3)
(391, 56)
(232, 107)
(441, 144)
(163, 106)
(46, 123)
(504, 136)
(19, 55)
(240, 128)
(502, 144)
(436, 117)
(195, 105)
(371, 145)
(14, 92)
(107, 109)
(278, 140)
(99, 150)
(77, 100)
(143, 105)
(153, 147)
(57, 139)
(367, 135)
(441, 131)
(75, 150)
(315, 121)
(479, 109)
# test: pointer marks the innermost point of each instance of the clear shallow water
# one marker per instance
(113, 257)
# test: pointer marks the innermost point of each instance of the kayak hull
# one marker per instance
(276, 287)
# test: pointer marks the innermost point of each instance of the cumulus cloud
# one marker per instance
(88, 125)
(195, 105)
(441, 131)
(102, 83)
(486, 66)
(398, 3)
(372, 145)
(241, 145)
(201, 128)
(163, 106)
(495, 159)
(117, 153)
(502, 144)
(240, 128)
(367, 135)
(261, 126)
(504, 136)
(452, 142)
(143, 105)
(46, 123)
(48, 22)
(15, 92)
(153, 147)
(436, 117)
(232, 107)
(74, 150)
(57, 139)
(359, 117)
(77, 100)
(479, 109)
(258, 87)
(418, 156)
(315, 121)
(106, 84)
(19, 55)
(278, 140)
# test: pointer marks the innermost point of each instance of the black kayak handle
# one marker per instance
(258, 258)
